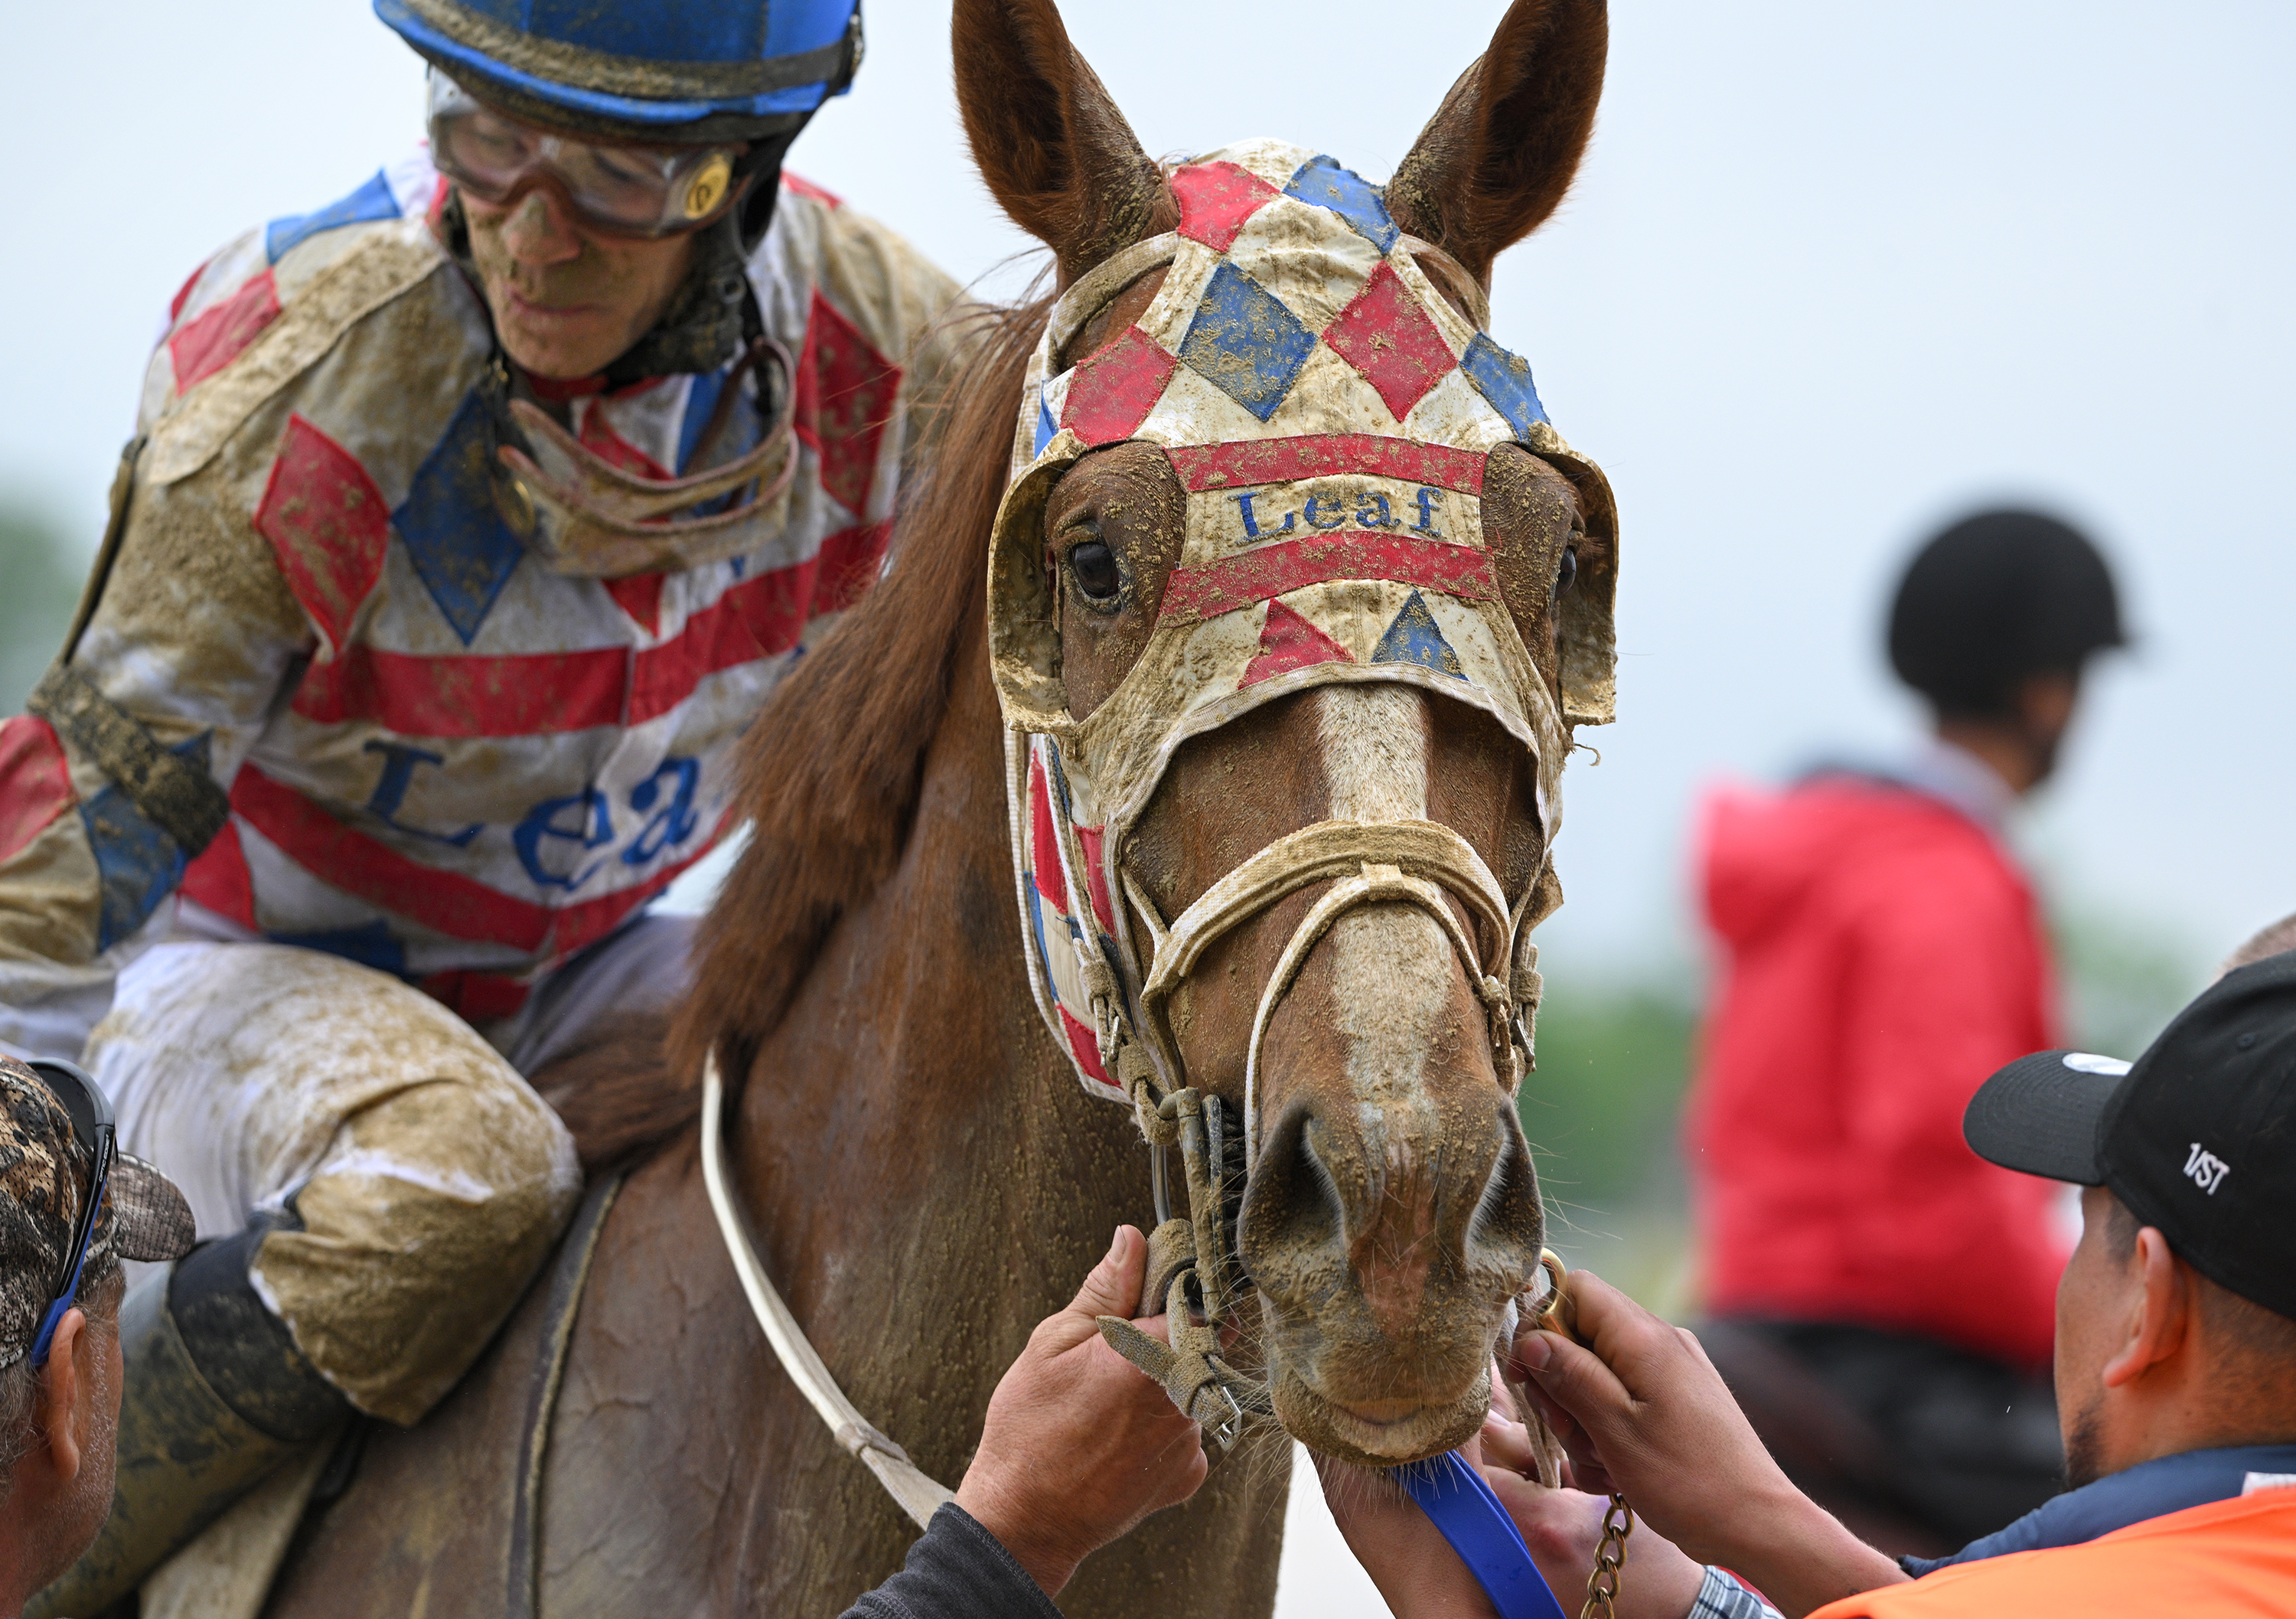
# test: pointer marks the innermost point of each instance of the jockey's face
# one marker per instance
(567, 300)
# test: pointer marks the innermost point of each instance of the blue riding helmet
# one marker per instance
(675, 70)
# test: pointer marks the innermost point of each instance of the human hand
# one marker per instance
(1079, 1445)
(1563, 1528)
(1421, 1577)
(1642, 1411)
(1418, 1574)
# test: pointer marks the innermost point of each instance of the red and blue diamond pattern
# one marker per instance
(1246, 341)
(1068, 909)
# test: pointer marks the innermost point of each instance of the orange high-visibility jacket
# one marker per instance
(2228, 1557)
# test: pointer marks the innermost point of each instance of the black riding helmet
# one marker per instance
(1994, 600)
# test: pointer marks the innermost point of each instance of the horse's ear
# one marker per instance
(1055, 152)
(1501, 150)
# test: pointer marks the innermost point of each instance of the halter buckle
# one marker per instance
(1227, 1433)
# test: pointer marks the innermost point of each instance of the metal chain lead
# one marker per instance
(1603, 1584)
(1555, 1312)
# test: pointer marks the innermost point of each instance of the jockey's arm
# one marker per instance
(193, 637)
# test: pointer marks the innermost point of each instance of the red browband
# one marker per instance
(1250, 462)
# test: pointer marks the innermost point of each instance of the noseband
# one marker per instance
(1375, 863)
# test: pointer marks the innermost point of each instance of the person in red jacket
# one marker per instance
(1883, 1299)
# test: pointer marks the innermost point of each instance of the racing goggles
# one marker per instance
(90, 1111)
(625, 191)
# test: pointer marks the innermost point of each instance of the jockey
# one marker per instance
(469, 520)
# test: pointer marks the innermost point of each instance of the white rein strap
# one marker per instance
(919, 1496)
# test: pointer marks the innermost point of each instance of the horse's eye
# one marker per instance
(1567, 574)
(1093, 565)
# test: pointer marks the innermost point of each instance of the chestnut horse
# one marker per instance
(925, 1179)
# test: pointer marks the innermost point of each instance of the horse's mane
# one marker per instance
(831, 767)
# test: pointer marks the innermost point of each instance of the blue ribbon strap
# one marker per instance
(1451, 1491)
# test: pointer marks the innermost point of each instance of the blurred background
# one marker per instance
(1831, 276)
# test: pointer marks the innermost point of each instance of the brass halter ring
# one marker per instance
(1555, 1311)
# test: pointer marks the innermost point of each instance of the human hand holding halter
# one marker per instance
(1642, 1411)
(1421, 1577)
(1078, 1445)
(1563, 1528)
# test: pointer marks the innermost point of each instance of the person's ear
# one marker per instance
(60, 1385)
(2045, 703)
(2160, 1316)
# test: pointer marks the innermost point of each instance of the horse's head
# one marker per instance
(1294, 597)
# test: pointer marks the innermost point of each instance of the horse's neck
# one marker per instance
(901, 1021)
(911, 1140)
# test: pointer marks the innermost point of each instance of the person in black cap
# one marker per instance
(1884, 954)
(71, 1208)
(2175, 1369)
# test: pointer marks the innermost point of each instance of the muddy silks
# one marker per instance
(1328, 412)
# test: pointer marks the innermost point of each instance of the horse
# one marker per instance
(924, 1179)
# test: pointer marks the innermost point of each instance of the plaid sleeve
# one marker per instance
(1724, 1596)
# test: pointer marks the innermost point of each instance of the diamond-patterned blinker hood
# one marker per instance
(1328, 412)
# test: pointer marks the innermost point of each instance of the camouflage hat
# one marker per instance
(43, 1176)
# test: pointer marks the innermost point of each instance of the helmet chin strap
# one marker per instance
(714, 317)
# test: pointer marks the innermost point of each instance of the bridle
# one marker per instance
(1193, 1271)
(1414, 862)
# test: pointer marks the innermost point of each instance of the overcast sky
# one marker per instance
(1832, 275)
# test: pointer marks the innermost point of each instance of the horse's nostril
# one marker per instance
(1509, 1211)
(1292, 1205)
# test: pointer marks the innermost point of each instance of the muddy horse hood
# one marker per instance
(1328, 412)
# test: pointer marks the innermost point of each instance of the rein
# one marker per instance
(918, 1495)
(1190, 1370)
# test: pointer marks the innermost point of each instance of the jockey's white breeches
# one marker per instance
(426, 1177)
